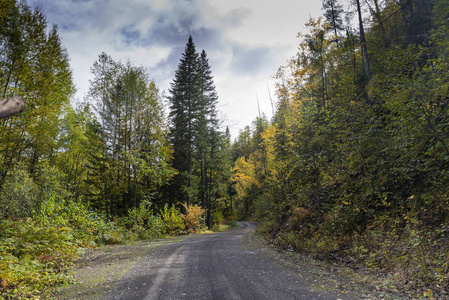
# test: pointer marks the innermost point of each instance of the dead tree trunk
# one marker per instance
(11, 106)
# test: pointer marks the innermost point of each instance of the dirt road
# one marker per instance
(211, 266)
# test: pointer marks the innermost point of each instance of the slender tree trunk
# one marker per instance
(363, 42)
(190, 168)
(9, 77)
(404, 4)
(263, 146)
(190, 136)
(230, 198)
(323, 82)
(203, 181)
(209, 202)
(381, 24)
(336, 36)
(335, 22)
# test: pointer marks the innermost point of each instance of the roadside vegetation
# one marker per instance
(99, 173)
(353, 168)
(39, 244)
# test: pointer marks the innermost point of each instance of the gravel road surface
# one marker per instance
(209, 266)
(213, 266)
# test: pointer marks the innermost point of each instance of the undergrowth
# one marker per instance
(37, 252)
(401, 252)
(43, 230)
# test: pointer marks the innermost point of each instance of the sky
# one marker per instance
(246, 41)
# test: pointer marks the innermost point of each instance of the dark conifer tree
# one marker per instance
(208, 91)
(194, 127)
(208, 124)
(185, 113)
(333, 14)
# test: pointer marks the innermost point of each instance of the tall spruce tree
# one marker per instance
(186, 109)
(209, 125)
(194, 125)
(208, 92)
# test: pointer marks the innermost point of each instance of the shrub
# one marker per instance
(35, 252)
(171, 220)
(193, 216)
(33, 257)
(143, 222)
(19, 194)
(50, 181)
(219, 218)
(224, 220)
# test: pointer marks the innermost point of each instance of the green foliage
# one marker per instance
(129, 154)
(42, 235)
(65, 172)
(351, 167)
(402, 246)
(186, 113)
(143, 222)
(19, 194)
(34, 65)
(219, 218)
(224, 221)
(37, 252)
(355, 168)
(171, 220)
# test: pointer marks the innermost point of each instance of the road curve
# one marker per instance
(212, 266)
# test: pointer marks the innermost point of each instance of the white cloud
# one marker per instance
(246, 41)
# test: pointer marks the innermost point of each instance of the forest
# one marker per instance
(353, 168)
(354, 165)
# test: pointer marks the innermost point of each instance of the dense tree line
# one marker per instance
(354, 164)
(112, 169)
(129, 153)
(111, 152)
